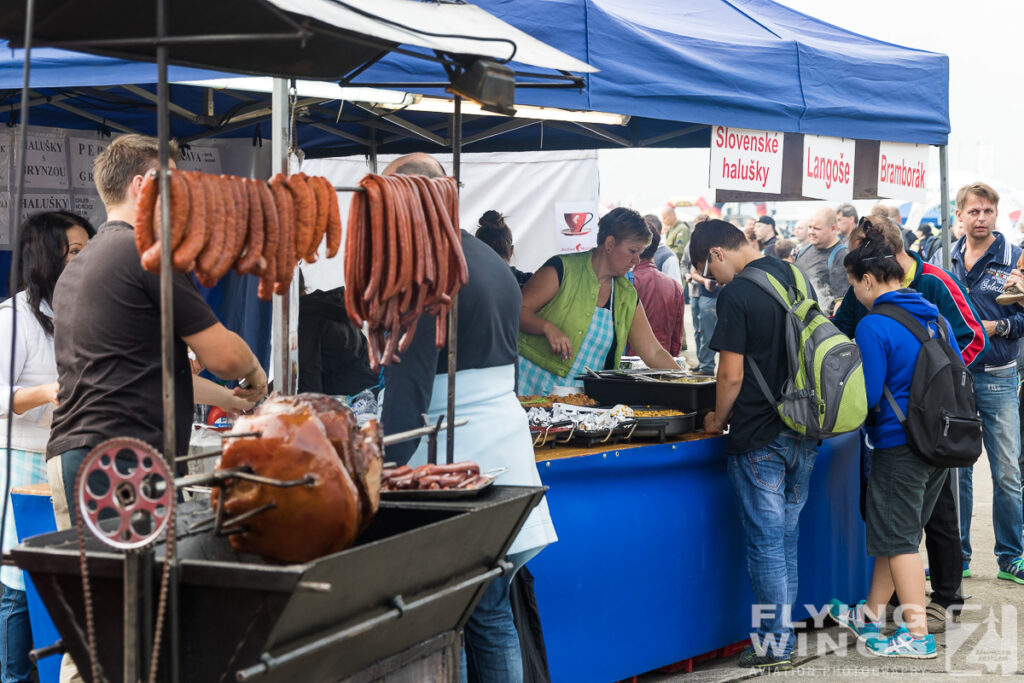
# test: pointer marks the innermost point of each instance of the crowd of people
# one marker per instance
(87, 367)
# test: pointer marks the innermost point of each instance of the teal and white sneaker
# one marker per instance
(903, 644)
(853, 618)
(967, 569)
(1013, 571)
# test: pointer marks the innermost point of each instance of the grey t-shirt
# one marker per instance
(827, 273)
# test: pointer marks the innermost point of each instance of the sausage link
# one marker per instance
(250, 262)
(376, 251)
(217, 227)
(271, 230)
(333, 219)
(195, 237)
(304, 206)
(390, 239)
(320, 192)
(236, 215)
(286, 233)
(179, 221)
(144, 213)
(353, 285)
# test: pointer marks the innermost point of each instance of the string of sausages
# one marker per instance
(220, 222)
(403, 258)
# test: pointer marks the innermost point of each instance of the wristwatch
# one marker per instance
(1002, 328)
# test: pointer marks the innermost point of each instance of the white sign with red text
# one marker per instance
(749, 160)
(828, 167)
(902, 171)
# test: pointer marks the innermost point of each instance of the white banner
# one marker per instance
(90, 206)
(575, 225)
(828, 167)
(205, 159)
(743, 159)
(83, 151)
(902, 169)
(46, 162)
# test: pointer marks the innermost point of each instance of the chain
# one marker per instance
(90, 626)
(170, 549)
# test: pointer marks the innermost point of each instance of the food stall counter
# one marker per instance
(650, 564)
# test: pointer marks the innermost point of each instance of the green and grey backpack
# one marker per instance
(824, 394)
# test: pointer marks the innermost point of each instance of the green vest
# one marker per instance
(571, 311)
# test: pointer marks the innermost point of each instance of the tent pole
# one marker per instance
(167, 338)
(281, 325)
(453, 314)
(954, 480)
(944, 208)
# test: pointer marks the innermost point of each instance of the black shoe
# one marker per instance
(749, 659)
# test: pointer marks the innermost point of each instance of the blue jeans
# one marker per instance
(771, 488)
(995, 393)
(15, 637)
(705, 316)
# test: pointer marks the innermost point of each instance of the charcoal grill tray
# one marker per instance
(236, 607)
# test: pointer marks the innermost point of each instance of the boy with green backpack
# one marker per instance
(786, 379)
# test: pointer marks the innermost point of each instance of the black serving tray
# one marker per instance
(678, 395)
(663, 428)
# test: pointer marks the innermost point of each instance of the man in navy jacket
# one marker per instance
(982, 260)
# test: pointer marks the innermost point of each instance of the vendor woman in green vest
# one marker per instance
(579, 310)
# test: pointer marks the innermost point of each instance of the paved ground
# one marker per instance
(989, 643)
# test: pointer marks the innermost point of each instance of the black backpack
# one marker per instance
(942, 423)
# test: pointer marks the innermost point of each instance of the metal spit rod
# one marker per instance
(269, 662)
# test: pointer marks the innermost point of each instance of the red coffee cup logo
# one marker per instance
(577, 221)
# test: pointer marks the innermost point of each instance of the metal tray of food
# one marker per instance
(664, 426)
(551, 434)
(685, 392)
(595, 437)
(444, 494)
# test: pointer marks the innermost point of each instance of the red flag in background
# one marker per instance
(1014, 217)
(709, 209)
(761, 209)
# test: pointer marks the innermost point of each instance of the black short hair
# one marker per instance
(714, 233)
(648, 253)
(623, 224)
(875, 256)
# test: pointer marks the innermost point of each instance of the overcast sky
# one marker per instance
(983, 39)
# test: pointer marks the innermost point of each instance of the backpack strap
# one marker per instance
(803, 250)
(832, 254)
(913, 325)
(892, 404)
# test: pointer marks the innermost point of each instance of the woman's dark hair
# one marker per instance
(875, 256)
(624, 225)
(44, 246)
(495, 233)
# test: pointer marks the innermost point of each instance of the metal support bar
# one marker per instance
(48, 651)
(601, 133)
(399, 437)
(176, 40)
(175, 109)
(508, 126)
(453, 314)
(668, 136)
(281, 325)
(341, 134)
(89, 116)
(402, 123)
(268, 662)
(944, 208)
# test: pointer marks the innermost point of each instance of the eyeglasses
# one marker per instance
(707, 275)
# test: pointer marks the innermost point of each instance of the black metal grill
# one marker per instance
(416, 573)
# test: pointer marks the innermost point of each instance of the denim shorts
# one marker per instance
(902, 490)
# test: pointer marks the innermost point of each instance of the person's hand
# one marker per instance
(709, 285)
(195, 365)
(711, 424)
(49, 392)
(255, 386)
(234, 404)
(560, 344)
(990, 327)
(1014, 278)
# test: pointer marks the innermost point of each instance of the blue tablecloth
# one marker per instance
(650, 566)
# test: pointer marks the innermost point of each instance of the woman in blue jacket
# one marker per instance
(902, 488)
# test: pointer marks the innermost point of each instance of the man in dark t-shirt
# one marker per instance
(769, 464)
(107, 337)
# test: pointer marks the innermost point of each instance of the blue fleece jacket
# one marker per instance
(889, 353)
(950, 296)
(985, 281)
